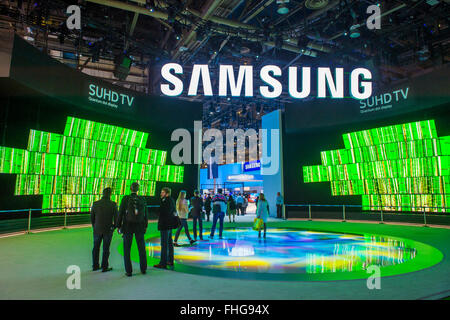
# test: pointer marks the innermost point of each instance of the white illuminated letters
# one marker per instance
(203, 70)
(365, 85)
(267, 78)
(336, 85)
(178, 84)
(226, 73)
(330, 82)
(306, 83)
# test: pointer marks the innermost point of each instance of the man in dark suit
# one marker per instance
(133, 220)
(197, 210)
(103, 219)
(166, 222)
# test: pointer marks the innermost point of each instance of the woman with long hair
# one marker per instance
(262, 212)
(182, 207)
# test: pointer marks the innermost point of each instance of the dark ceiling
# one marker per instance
(413, 39)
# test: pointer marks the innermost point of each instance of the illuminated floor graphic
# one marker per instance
(293, 254)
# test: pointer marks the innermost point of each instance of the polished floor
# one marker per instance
(295, 254)
(34, 267)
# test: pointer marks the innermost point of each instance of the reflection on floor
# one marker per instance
(289, 251)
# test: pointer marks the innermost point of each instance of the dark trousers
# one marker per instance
(208, 212)
(166, 247)
(184, 225)
(239, 209)
(200, 227)
(279, 211)
(265, 229)
(98, 238)
(127, 241)
(217, 216)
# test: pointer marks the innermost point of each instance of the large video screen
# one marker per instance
(59, 147)
(396, 158)
(71, 169)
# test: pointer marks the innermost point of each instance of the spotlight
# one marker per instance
(282, 6)
(354, 32)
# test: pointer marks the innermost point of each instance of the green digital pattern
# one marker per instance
(71, 170)
(404, 167)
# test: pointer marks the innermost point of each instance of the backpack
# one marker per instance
(135, 209)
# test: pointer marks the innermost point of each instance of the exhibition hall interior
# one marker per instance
(260, 150)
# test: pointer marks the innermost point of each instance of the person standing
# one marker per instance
(165, 225)
(239, 204)
(219, 208)
(182, 207)
(262, 212)
(208, 207)
(231, 208)
(245, 205)
(197, 210)
(279, 203)
(133, 220)
(103, 219)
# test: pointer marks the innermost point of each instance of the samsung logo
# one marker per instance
(330, 82)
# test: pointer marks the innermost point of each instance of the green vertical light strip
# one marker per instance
(404, 167)
(72, 169)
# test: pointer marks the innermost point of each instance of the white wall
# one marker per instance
(273, 182)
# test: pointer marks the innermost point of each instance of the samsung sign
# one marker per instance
(328, 79)
(252, 166)
(109, 97)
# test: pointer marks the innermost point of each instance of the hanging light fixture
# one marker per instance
(282, 6)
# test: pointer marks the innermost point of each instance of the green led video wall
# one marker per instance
(71, 169)
(404, 167)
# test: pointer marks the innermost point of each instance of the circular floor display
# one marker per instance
(293, 254)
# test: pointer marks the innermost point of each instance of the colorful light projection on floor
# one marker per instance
(288, 252)
(403, 167)
(70, 170)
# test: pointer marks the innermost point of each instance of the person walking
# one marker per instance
(208, 206)
(133, 220)
(239, 204)
(103, 219)
(219, 208)
(182, 207)
(197, 210)
(166, 219)
(231, 208)
(262, 212)
(279, 203)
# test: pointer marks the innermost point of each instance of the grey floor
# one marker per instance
(34, 267)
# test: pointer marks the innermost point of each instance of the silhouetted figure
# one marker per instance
(197, 210)
(133, 220)
(103, 219)
(166, 222)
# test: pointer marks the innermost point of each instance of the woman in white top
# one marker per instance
(182, 212)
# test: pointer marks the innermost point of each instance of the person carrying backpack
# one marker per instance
(133, 220)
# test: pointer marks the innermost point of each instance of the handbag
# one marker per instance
(258, 224)
(176, 222)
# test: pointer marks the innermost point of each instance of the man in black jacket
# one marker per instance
(103, 219)
(133, 219)
(197, 210)
(208, 206)
(165, 225)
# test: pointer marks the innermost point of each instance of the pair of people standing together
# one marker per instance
(131, 220)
